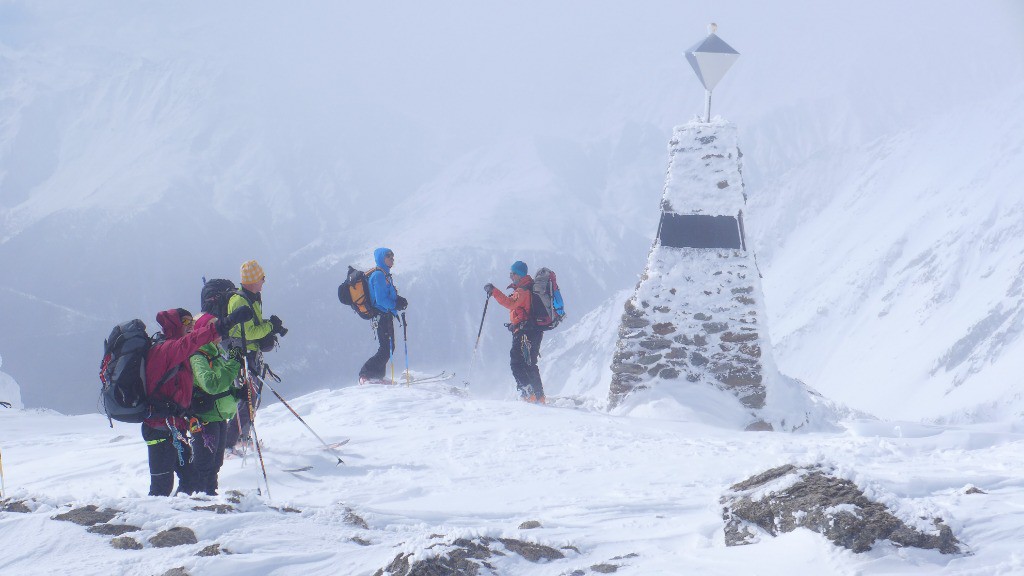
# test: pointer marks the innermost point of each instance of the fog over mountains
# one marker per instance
(143, 147)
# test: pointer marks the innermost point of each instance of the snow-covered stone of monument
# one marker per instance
(694, 328)
(704, 170)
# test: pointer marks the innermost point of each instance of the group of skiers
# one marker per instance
(197, 365)
(385, 305)
(211, 368)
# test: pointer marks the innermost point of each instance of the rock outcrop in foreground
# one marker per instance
(786, 498)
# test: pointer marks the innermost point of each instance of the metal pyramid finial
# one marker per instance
(710, 59)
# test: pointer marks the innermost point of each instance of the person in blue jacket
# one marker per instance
(385, 299)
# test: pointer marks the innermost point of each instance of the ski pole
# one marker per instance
(259, 452)
(472, 360)
(296, 414)
(405, 341)
(248, 396)
(249, 389)
(252, 431)
(238, 421)
(391, 353)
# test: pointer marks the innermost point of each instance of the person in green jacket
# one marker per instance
(214, 402)
(254, 337)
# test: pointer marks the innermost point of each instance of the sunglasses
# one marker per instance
(186, 321)
(389, 255)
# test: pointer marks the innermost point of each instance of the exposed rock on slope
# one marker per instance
(786, 498)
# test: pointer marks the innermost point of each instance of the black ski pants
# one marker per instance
(164, 463)
(376, 366)
(208, 457)
(523, 360)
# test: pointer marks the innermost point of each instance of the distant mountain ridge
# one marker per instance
(143, 148)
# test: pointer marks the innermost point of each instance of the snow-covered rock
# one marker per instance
(10, 392)
(813, 497)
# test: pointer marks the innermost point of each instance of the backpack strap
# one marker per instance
(241, 293)
(242, 339)
(387, 278)
(162, 408)
(166, 377)
(217, 396)
(209, 358)
(198, 392)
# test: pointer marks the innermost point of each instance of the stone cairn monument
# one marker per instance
(696, 318)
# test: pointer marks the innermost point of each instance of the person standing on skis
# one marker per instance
(249, 341)
(385, 299)
(526, 336)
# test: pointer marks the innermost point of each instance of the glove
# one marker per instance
(236, 354)
(401, 303)
(267, 343)
(240, 393)
(488, 288)
(243, 314)
(278, 328)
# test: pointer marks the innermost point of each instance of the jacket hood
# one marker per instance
(170, 322)
(378, 259)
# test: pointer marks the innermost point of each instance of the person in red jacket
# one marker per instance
(169, 390)
(526, 337)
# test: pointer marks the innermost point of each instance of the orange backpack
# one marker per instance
(355, 292)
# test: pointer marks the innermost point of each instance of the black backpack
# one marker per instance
(355, 292)
(215, 295)
(123, 376)
(546, 307)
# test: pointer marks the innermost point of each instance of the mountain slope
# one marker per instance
(913, 306)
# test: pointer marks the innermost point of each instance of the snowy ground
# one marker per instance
(639, 493)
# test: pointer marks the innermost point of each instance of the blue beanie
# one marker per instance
(519, 268)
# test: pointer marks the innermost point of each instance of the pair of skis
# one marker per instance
(435, 378)
(445, 375)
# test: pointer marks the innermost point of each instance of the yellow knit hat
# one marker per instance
(252, 272)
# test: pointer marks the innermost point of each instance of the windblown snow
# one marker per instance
(427, 465)
(144, 147)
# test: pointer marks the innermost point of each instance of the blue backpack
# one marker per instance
(546, 307)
